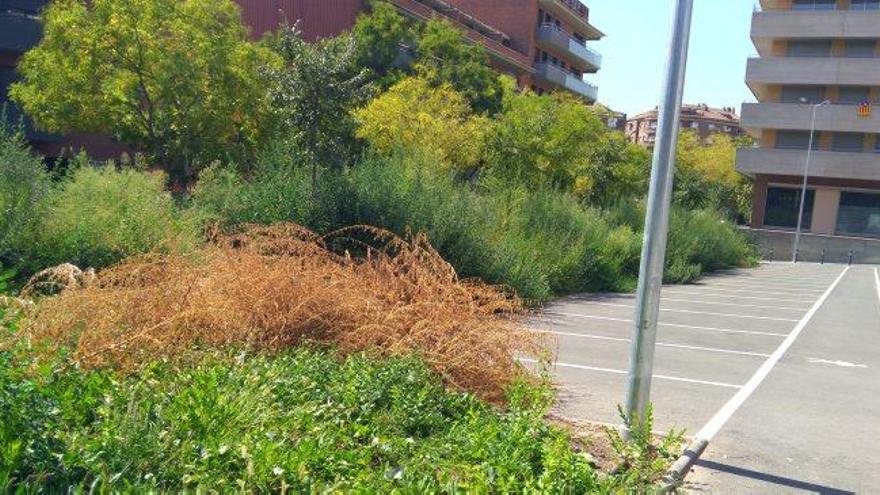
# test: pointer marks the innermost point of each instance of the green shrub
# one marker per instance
(702, 241)
(23, 184)
(303, 422)
(278, 189)
(98, 216)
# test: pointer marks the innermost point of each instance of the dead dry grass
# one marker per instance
(280, 286)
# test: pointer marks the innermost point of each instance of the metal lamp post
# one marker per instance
(657, 218)
(797, 235)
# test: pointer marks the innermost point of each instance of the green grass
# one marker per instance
(304, 421)
(540, 243)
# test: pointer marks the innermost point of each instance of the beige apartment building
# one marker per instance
(815, 52)
(701, 118)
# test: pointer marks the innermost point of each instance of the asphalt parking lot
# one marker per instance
(779, 364)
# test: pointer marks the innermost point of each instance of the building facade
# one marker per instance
(702, 119)
(541, 43)
(822, 55)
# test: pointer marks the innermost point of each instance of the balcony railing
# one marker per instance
(561, 40)
(866, 6)
(577, 7)
(561, 78)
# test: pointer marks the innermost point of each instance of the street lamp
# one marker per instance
(797, 235)
(657, 217)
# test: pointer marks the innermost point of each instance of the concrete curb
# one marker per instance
(682, 466)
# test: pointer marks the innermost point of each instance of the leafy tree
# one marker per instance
(436, 120)
(313, 93)
(445, 56)
(557, 141)
(381, 39)
(177, 79)
(706, 176)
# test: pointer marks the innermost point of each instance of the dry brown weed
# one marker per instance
(280, 286)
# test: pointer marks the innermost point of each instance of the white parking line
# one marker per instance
(738, 305)
(728, 296)
(763, 289)
(812, 284)
(805, 281)
(673, 325)
(877, 280)
(622, 372)
(687, 311)
(659, 344)
(726, 412)
(751, 291)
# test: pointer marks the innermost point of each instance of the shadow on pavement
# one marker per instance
(770, 478)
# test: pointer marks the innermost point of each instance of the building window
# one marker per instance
(859, 214)
(861, 48)
(795, 140)
(854, 95)
(814, 5)
(803, 94)
(848, 141)
(809, 48)
(783, 207)
(864, 5)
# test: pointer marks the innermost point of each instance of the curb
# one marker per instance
(682, 466)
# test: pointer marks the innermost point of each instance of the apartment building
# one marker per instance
(826, 53)
(702, 119)
(540, 43)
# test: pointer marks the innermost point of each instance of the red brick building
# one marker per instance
(541, 43)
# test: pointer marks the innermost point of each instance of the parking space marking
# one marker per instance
(724, 414)
(726, 296)
(754, 287)
(784, 282)
(622, 372)
(752, 291)
(659, 344)
(877, 281)
(738, 305)
(673, 325)
(775, 292)
(690, 312)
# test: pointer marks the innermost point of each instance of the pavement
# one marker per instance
(779, 365)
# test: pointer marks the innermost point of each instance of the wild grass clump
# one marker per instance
(99, 215)
(273, 288)
(24, 183)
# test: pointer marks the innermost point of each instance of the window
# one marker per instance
(864, 5)
(809, 48)
(795, 140)
(783, 207)
(854, 95)
(848, 141)
(859, 214)
(861, 48)
(803, 94)
(814, 5)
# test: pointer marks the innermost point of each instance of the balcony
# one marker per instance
(575, 13)
(555, 39)
(560, 78)
(18, 32)
(797, 116)
(792, 24)
(823, 71)
(827, 164)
